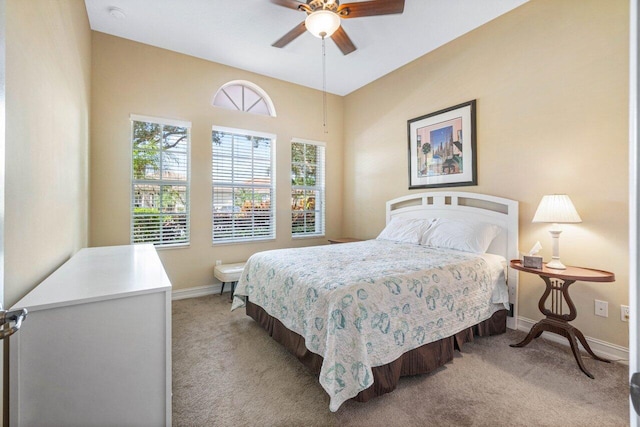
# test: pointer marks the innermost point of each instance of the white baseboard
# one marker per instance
(601, 348)
(198, 291)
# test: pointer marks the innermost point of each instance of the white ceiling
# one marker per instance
(239, 33)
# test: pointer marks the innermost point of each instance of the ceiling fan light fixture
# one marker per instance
(322, 23)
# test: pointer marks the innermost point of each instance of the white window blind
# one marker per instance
(307, 188)
(160, 181)
(243, 186)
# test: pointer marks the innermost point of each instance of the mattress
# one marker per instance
(363, 305)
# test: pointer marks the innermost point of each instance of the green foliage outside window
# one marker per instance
(242, 187)
(307, 162)
(160, 180)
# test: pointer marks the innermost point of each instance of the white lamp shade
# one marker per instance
(556, 208)
(322, 23)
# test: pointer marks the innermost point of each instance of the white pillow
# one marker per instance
(460, 234)
(405, 230)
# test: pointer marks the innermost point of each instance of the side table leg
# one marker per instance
(576, 352)
(535, 332)
(584, 343)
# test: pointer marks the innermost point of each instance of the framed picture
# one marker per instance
(442, 148)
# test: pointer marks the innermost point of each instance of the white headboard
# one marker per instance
(482, 207)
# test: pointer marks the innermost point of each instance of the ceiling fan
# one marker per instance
(324, 16)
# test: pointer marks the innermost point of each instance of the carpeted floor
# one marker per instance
(228, 372)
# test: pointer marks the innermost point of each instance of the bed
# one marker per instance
(361, 315)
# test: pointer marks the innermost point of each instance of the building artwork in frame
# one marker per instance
(442, 148)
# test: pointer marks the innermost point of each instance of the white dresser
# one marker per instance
(95, 349)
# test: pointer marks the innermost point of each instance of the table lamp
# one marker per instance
(556, 209)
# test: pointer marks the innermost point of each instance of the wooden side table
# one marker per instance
(344, 240)
(558, 282)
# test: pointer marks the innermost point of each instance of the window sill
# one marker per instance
(176, 246)
(242, 242)
(307, 236)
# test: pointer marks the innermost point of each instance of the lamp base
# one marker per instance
(555, 253)
(556, 265)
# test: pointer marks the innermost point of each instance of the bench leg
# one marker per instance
(233, 289)
(222, 289)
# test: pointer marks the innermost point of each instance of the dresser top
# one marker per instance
(96, 274)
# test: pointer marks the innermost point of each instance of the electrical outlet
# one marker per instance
(218, 262)
(602, 308)
(624, 313)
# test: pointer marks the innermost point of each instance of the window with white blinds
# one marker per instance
(160, 181)
(243, 186)
(307, 188)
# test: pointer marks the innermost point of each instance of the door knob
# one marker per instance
(10, 321)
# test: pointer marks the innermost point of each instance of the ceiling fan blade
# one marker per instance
(371, 8)
(291, 4)
(343, 41)
(291, 35)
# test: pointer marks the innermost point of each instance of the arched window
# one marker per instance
(242, 95)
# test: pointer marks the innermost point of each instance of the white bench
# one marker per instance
(228, 273)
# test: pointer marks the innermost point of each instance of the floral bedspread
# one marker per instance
(364, 304)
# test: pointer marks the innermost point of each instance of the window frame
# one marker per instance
(322, 189)
(160, 182)
(245, 85)
(272, 187)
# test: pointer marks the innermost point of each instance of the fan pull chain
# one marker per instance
(324, 87)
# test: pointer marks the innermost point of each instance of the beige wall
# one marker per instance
(550, 79)
(47, 117)
(130, 77)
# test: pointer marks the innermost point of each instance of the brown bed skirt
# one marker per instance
(421, 360)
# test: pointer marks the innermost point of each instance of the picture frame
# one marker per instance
(442, 148)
